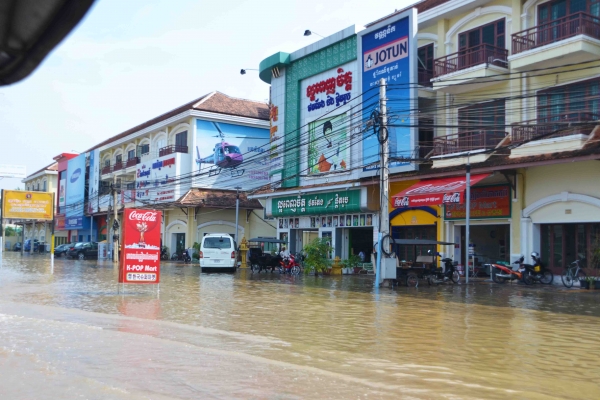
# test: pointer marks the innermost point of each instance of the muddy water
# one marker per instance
(71, 333)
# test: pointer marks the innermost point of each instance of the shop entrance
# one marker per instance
(361, 239)
(490, 243)
(178, 242)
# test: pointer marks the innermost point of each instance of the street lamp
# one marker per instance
(308, 32)
(243, 71)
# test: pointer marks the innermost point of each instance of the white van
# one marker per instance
(217, 251)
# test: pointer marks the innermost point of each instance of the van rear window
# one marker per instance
(217, 243)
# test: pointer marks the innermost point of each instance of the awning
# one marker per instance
(434, 192)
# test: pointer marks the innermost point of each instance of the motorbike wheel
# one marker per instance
(496, 278)
(174, 257)
(546, 277)
(527, 278)
(431, 280)
(412, 280)
(455, 277)
(164, 257)
(255, 268)
(295, 270)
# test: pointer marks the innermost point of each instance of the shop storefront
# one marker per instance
(344, 216)
(490, 219)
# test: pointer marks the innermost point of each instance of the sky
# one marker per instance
(129, 61)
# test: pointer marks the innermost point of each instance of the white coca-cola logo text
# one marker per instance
(451, 198)
(148, 216)
(436, 189)
(401, 201)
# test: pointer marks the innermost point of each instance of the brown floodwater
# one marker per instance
(72, 332)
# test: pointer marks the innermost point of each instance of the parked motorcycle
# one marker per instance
(448, 273)
(289, 264)
(537, 271)
(182, 256)
(503, 272)
(164, 254)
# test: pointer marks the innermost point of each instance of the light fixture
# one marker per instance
(308, 32)
(243, 71)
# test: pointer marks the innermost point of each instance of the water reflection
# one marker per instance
(341, 336)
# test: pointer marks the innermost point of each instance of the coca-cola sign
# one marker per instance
(401, 201)
(140, 255)
(148, 216)
(451, 198)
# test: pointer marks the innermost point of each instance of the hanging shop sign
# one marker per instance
(343, 201)
(486, 202)
(336, 90)
(27, 205)
(435, 192)
(140, 255)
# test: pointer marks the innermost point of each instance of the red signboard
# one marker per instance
(435, 192)
(140, 251)
(486, 202)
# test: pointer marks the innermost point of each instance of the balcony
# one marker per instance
(572, 39)
(165, 151)
(425, 76)
(469, 69)
(118, 166)
(472, 142)
(106, 169)
(467, 141)
(132, 162)
(554, 134)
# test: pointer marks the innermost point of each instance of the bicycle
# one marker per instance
(572, 273)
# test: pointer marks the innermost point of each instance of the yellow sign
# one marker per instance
(27, 205)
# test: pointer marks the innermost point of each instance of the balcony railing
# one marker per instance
(118, 166)
(467, 58)
(466, 141)
(582, 122)
(425, 76)
(172, 149)
(106, 169)
(560, 29)
(132, 162)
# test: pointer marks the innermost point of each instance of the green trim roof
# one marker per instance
(276, 60)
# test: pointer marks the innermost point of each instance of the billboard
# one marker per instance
(62, 192)
(94, 181)
(160, 180)
(75, 192)
(27, 205)
(328, 148)
(486, 202)
(388, 50)
(140, 255)
(228, 156)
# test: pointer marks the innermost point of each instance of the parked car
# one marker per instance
(27, 246)
(84, 250)
(217, 251)
(61, 250)
(17, 246)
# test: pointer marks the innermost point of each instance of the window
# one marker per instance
(181, 139)
(44, 186)
(160, 143)
(217, 243)
(131, 154)
(144, 149)
(425, 55)
(130, 186)
(555, 10)
(107, 163)
(490, 34)
(564, 243)
(481, 126)
(576, 102)
(118, 159)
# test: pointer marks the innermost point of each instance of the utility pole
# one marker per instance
(115, 242)
(384, 219)
(237, 214)
(468, 216)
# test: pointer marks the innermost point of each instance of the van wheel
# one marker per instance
(81, 256)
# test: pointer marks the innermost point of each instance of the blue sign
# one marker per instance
(386, 52)
(75, 192)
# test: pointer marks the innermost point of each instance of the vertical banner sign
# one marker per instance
(140, 254)
(94, 181)
(75, 193)
(387, 50)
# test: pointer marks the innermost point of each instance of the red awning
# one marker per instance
(435, 192)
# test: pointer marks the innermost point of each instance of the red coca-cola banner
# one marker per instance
(140, 251)
(435, 192)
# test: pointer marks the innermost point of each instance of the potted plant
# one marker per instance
(317, 256)
(584, 283)
(351, 265)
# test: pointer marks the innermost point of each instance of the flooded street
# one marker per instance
(73, 334)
